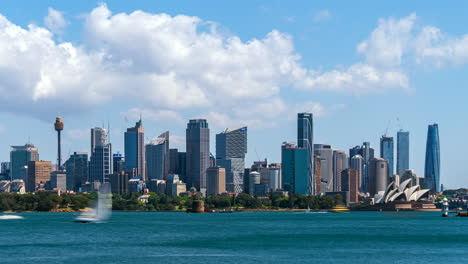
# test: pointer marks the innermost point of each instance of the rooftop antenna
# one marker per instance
(108, 131)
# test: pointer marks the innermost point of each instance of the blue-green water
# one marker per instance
(263, 237)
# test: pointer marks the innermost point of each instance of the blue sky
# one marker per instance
(358, 66)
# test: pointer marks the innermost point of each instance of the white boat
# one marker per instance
(307, 210)
(103, 209)
(10, 216)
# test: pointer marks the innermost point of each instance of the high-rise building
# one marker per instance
(317, 174)
(254, 179)
(216, 180)
(198, 153)
(101, 161)
(410, 174)
(157, 157)
(119, 182)
(340, 163)
(173, 161)
(135, 149)
(432, 163)
(357, 163)
(305, 139)
(118, 162)
(402, 152)
(77, 170)
(231, 147)
(378, 176)
(295, 168)
(38, 174)
(326, 166)
(19, 157)
(386, 152)
(58, 180)
(367, 153)
(271, 177)
(350, 183)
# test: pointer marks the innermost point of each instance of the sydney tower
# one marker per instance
(59, 127)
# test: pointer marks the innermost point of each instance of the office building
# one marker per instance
(254, 179)
(119, 182)
(58, 181)
(231, 147)
(305, 139)
(157, 157)
(101, 161)
(350, 183)
(118, 162)
(271, 177)
(340, 163)
(386, 152)
(326, 166)
(76, 170)
(378, 176)
(19, 157)
(198, 153)
(295, 168)
(432, 162)
(317, 174)
(174, 186)
(135, 149)
(410, 175)
(38, 174)
(357, 163)
(402, 152)
(216, 181)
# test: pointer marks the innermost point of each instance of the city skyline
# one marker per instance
(362, 114)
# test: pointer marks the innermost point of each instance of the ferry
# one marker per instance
(339, 209)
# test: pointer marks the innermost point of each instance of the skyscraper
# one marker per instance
(340, 163)
(378, 176)
(19, 157)
(386, 152)
(357, 163)
(231, 147)
(135, 149)
(157, 157)
(101, 162)
(326, 166)
(402, 152)
(305, 139)
(350, 183)
(432, 163)
(198, 153)
(295, 168)
(77, 170)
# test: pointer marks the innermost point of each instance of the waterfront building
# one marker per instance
(76, 170)
(101, 161)
(350, 183)
(402, 152)
(326, 166)
(378, 176)
(135, 149)
(231, 147)
(198, 153)
(157, 157)
(386, 152)
(271, 177)
(216, 181)
(432, 162)
(295, 166)
(19, 157)
(38, 174)
(357, 163)
(119, 182)
(340, 163)
(174, 186)
(58, 180)
(136, 185)
(305, 139)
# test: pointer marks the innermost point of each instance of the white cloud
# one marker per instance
(55, 21)
(77, 134)
(153, 115)
(322, 15)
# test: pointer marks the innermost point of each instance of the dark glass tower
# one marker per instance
(198, 153)
(432, 164)
(402, 152)
(386, 152)
(135, 150)
(305, 139)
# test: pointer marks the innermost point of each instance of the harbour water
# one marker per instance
(260, 237)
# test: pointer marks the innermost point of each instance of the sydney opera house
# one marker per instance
(407, 191)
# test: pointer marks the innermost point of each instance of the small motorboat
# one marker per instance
(10, 216)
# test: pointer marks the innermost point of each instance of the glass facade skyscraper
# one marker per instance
(305, 139)
(157, 157)
(19, 157)
(101, 162)
(402, 152)
(77, 170)
(231, 147)
(432, 164)
(386, 152)
(295, 168)
(198, 153)
(135, 150)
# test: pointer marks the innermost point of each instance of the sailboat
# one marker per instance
(102, 212)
